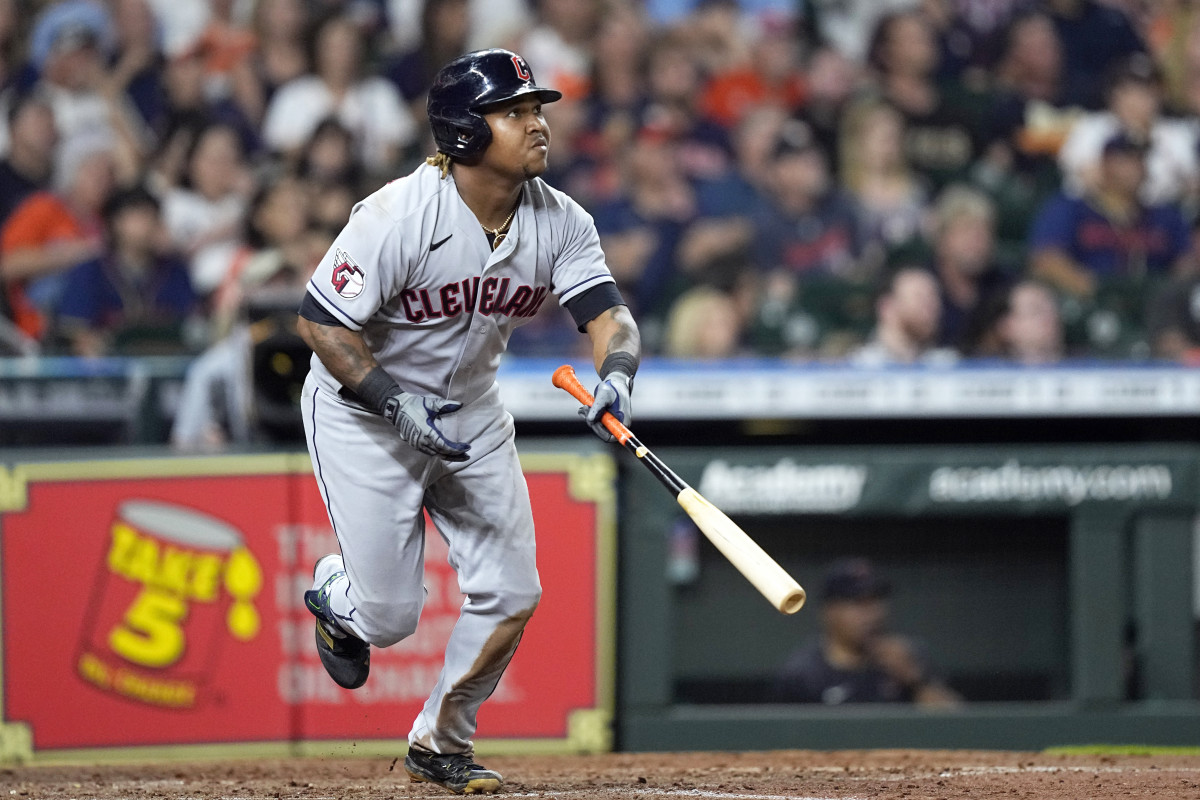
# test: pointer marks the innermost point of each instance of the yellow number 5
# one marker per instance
(151, 634)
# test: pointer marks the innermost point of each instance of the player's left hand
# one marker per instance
(612, 395)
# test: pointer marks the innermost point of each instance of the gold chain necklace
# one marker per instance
(498, 234)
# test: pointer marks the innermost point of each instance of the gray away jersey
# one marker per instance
(414, 272)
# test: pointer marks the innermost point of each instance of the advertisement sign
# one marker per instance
(937, 479)
(160, 602)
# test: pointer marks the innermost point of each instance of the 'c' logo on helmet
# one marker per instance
(522, 70)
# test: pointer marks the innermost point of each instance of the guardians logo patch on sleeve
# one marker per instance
(347, 275)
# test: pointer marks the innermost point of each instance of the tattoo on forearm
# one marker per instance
(344, 354)
(625, 338)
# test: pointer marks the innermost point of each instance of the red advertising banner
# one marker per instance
(159, 602)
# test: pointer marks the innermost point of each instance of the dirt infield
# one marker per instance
(884, 774)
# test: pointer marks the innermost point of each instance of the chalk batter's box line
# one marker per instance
(573, 792)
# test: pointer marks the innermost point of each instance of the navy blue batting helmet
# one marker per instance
(469, 84)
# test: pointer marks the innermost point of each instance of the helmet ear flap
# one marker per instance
(472, 135)
(463, 136)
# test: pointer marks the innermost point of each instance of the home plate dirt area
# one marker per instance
(774, 775)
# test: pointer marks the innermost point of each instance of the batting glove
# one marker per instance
(612, 395)
(415, 417)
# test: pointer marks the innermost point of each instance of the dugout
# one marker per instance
(1052, 584)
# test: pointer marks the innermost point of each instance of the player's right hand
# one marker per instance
(415, 417)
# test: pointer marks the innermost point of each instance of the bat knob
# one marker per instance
(562, 376)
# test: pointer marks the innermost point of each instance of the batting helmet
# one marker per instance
(469, 84)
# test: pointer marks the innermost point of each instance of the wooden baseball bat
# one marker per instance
(780, 588)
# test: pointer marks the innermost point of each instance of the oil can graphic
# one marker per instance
(176, 588)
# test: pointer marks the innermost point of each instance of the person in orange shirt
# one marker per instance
(54, 230)
(771, 76)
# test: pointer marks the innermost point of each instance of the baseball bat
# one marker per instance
(775, 584)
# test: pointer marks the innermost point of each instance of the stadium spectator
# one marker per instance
(580, 165)
(833, 80)
(718, 33)
(329, 158)
(32, 139)
(1023, 325)
(1174, 321)
(204, 213)
(808, 225)
(641, 229)
(704, 323)
(560, 42)
(971, 35)
(615, 106)
(1173, 35)
(848, 25)
(736, 192)
(208, 76)
(1109, 232)
(280, 245)
(191, 104)
(54, 230)
(70, 41)
(340, 86)
(135, 66)
(330, 204)
(857, 658)
(964, 261)
(723, 232)
(1030, 66)
(1134, 108)
(228, 44)
(444, 26)
(1030, 117)
(908, 314)
(875, 173)
(13, 44)
(187, 113)
(770, 77)
(1173, 311)
(136, 297)
(675, 82)
(1095, 36)
(279, 57)
(944, 122)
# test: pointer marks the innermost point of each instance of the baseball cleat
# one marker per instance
(456, 772)
(345, 657)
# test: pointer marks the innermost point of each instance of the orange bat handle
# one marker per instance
(565, 378)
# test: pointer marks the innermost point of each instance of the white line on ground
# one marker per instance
(633, 792)
(1005, 770)
(677, 793)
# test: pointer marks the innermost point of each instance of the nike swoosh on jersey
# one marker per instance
(436, 245)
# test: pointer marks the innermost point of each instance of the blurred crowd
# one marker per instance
(864, 181)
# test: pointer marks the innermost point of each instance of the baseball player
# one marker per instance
(408, 315)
